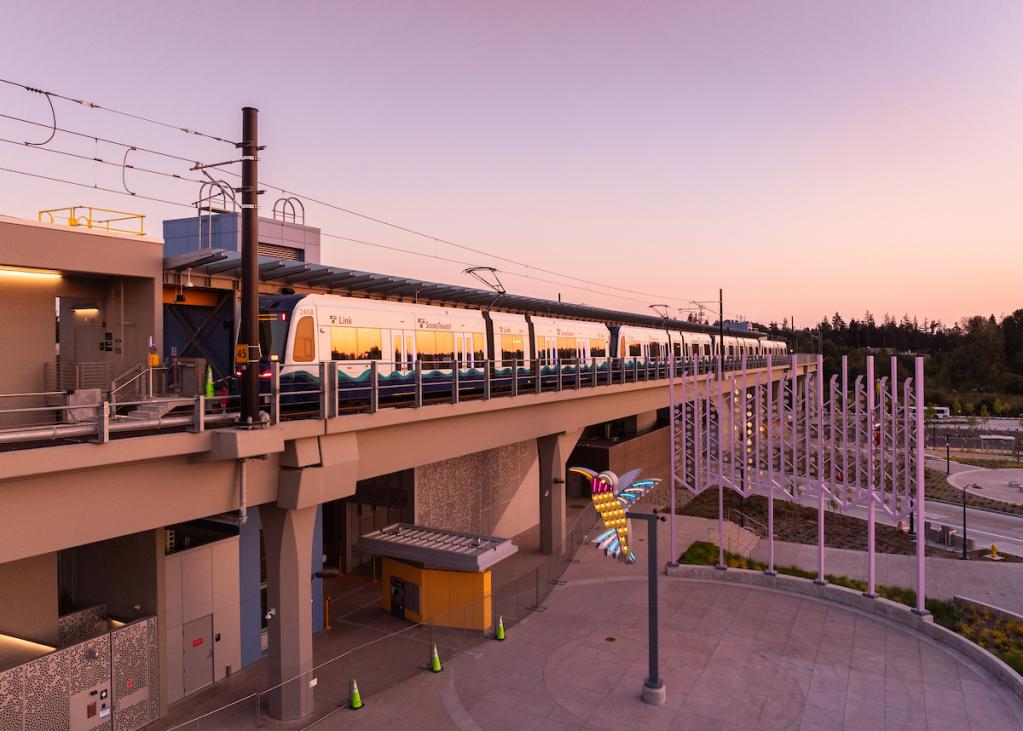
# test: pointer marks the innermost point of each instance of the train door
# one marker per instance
(470, 351)
(410, 349)
(460, 350)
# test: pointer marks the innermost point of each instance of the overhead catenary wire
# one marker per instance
(563, 280)
(112, 110)
(591, 286)
(96, 187)
(97, 159)
(140, 148)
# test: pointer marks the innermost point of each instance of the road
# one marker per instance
(983, 526)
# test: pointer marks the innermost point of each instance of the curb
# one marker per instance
(893, 611)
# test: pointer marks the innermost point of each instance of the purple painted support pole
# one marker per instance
(721, 565)
(845, 428)
(819, 384)
(893, 437)
(918, 385)
(673, 556)
(871, 577)
(770, 467)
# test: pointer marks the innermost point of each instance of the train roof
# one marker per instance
(323, 279)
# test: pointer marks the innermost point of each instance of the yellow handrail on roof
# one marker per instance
(99, 218)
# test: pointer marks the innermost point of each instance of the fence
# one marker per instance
(388, 660)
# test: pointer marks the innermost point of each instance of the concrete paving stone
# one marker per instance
(687, 721)
(714, 700)
(859, 722)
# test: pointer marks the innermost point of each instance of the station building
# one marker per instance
(144, 555)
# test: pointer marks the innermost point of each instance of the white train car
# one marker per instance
(569, 341)
(509, 340)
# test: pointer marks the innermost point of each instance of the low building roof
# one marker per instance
(437, 549)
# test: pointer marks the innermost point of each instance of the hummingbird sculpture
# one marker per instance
(612, 497)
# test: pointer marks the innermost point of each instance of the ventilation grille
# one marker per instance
(280, 252)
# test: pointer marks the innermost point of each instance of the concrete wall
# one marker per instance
(28, 599)
(202, 581)
(28, 331)
(495, 492)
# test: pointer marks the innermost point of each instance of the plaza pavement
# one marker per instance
(731, 658)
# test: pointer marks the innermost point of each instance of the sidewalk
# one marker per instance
(1000, 584)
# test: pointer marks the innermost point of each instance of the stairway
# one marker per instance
(155, 408)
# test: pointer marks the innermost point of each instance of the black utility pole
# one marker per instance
(249, 335)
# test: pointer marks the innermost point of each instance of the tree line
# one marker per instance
(974, 366)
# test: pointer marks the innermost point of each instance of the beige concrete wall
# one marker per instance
(28, 332)
(495, 492)
(28, 598)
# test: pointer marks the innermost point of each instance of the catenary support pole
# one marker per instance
(250, 267)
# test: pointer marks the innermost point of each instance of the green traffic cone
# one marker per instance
(435, 665)
(209, 382)
(356, 702)
(500, 629)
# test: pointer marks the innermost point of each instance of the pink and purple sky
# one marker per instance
(806, 156)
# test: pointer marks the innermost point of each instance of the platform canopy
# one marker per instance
(433, 548)
(321, 278)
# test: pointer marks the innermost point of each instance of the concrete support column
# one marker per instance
(288, 537)
(554, 450)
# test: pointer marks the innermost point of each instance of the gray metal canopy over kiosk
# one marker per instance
(436, 576)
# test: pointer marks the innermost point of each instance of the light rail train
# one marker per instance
(301, 331)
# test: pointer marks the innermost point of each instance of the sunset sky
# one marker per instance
(807, 157)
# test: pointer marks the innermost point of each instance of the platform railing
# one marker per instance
(338, 388)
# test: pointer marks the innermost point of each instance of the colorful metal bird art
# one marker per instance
(612, 497)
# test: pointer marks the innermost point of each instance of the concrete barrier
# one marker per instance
(892, 611)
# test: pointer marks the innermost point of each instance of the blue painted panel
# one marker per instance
(251, 605)
(317, 566)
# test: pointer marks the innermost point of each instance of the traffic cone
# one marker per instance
(209, 382)
(435, 665)
(356, 702)
(499, 635)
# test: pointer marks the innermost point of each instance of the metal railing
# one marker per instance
(70, 375)
(402, 654)
(93, 217)
(338, 388)
(138, 384)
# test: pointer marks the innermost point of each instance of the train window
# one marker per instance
(304, 349)
(355, 343)
(621, 346)
(397, 350)
(567, 349)
(437, 349)
(512, 348)
(477, 351)
(635, 348)
(598, 348)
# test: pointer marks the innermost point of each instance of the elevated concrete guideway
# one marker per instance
(90, 492)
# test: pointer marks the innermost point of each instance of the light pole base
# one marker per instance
(721, 567)
(653, 694)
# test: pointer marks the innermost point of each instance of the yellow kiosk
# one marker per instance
(436, 576)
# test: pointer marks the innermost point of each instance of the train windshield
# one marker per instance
(273, 334)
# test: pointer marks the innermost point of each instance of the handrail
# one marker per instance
(339, 388)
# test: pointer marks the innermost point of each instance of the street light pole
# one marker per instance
(653, 686)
